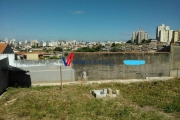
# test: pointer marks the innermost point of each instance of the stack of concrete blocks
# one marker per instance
(103, 93)
(111, 93)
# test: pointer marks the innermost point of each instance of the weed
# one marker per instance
(41, 87)
(174, 106)
(75, 102)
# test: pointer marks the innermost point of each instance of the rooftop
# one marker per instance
(2, 47)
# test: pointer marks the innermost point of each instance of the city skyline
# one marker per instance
(84, 20)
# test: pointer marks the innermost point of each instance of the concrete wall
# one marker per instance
(3, 75)
(175, 57)
(11, 58)
(30, 63)
(175, 61)
(50, 73)
(40, 71)
(175, 73)
(157, 64)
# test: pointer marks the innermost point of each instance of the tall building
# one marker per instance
(139, 35)
(42, 43)
(176, 36)
(164, 34)
(34, 43)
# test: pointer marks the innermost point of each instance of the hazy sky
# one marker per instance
(87, 20)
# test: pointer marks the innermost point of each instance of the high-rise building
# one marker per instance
(34, 43)
(176, 36)
(139, 35)
(42, 43)
(164, 34)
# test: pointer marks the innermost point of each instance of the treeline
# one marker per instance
(88, 49)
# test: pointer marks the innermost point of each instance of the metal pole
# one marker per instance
(61, 77)
(60, 68)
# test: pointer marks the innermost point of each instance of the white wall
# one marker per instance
(11, 58)
(50, 73)
(30, 63)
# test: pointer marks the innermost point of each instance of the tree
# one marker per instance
(113, 49)
(113, 45)
(85, 49)
(98, 48)
(149, 40)
(58, 49)
(69, 49)
(66, 54)
(144, 41)
(129, 41)
(54, 57)
(102, 46)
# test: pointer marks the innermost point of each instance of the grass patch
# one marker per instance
(164, 95)
(76, 102)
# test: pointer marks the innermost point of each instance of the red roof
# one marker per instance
(2, 47)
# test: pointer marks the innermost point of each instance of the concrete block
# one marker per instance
(105, 91)
(117, 92)
(100, 95)
(110, 91)
(97, 91)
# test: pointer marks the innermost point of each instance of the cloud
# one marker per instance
(78, 12)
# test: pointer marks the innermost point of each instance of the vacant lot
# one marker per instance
(142, 101)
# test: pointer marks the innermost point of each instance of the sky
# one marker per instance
(85, 20)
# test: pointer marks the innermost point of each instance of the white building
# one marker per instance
(164, 34)
(6, 40)
(139, 35)
(118, 42)
(49, 44)
(74, 42)
(16, 44)
(34, 43)
(62, 43)
(42, 43)
(176, 36)
(55, 44)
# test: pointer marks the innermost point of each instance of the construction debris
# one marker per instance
(107, 92)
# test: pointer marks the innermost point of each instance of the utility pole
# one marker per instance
(61, 77)
(61, 68)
